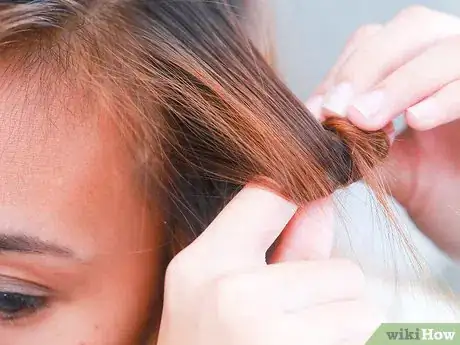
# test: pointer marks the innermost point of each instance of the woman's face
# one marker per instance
(77, 250)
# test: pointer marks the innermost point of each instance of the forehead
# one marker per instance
(61, 160)
(43, 133)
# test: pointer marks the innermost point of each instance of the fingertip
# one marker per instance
(309, 235)
(314, 105)
(250, 222)
(337, 100)
(258, 194)
(424, 115)
(367, 123)
(368, 111)
(322, 208)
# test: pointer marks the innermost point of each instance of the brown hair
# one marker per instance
(202, 110)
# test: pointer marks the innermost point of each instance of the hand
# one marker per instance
(409, 66)
(220, 289)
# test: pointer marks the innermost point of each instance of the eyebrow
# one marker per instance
(32, 245)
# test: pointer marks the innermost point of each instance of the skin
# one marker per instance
(72, 184)
(213, 288)
(76, 231)
(408, 66)
(67, 181)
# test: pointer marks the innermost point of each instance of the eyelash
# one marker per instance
(14, 306)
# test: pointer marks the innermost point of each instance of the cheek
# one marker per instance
(115, 300)
(87, 201)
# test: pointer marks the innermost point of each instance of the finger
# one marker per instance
(411, 83)
(408, 35)
(245, 229)
(294, 286)
(359, 37)
(439, 109)
(314, 104)
(309, 235)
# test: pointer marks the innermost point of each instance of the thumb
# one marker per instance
(309, 235)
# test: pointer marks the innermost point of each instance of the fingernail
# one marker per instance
(425, 113)
(315, 104)
(368, 105)
(338, 99)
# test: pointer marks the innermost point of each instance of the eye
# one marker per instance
(20, 298)
(16, 305)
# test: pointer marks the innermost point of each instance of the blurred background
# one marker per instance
(310, 34)
(309, 37)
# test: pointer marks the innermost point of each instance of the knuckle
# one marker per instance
(415, 12)
(173, 271)
(346, 74)
(367, 29)
(179, 269)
